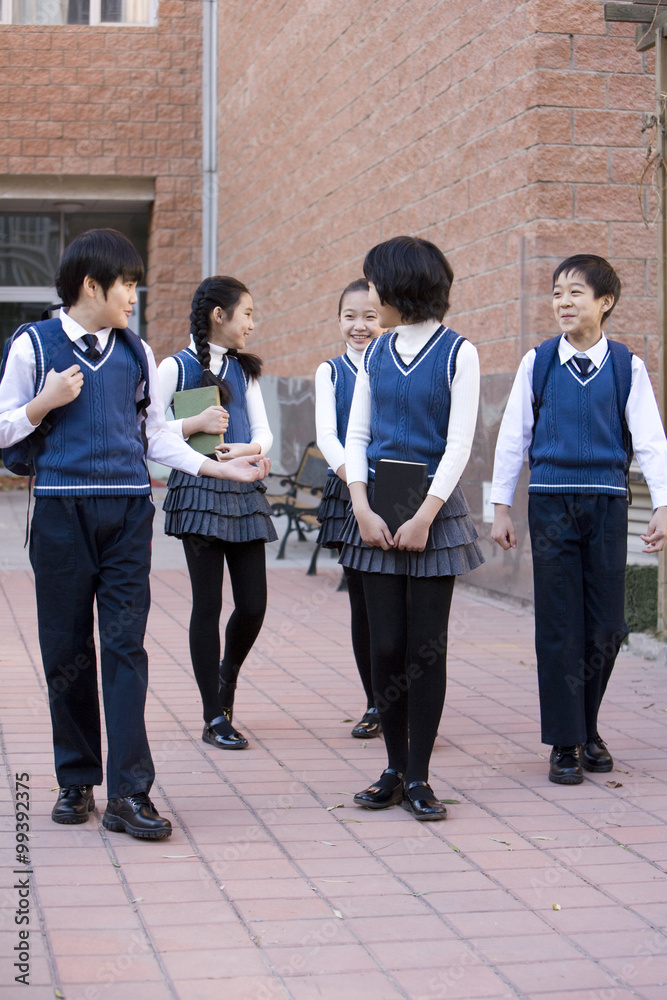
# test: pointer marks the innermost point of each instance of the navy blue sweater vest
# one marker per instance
(410, 403)
(190, 375)
(578, 439)
(94, 447)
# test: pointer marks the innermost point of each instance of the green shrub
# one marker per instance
(641, 598)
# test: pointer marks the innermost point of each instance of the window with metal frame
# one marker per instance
(87, 12)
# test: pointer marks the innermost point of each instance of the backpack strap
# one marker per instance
(544, 355)
(621, 359)
(136, 345)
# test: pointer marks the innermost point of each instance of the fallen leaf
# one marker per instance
(455, 848)
(505, 842)
(338, 914)
(327, 843)
(345, 721)
(613, 784)
(139, 899)
(650, 705)
(221, 887)
(364, 745)
(115, 864)
(383, 847)
(179, 855)
(555, 906)
(339, 805)
(344, 819)
(56, 992)
(621, 770)
(543, 838)
(450, 802)
(320, 879)
(542, 756)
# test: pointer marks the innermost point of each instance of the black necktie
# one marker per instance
(583, 364)
(90, 340)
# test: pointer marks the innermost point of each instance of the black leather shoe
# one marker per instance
(381, 795)
(369, 727)
(228, 739)
(565, 766)
(73, 804)
(423, 806)
(595, 756)
(136, 815)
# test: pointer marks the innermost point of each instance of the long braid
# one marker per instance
(202, 304)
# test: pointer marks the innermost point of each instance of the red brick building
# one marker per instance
(507, 131)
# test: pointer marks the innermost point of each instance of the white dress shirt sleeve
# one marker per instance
(164, 446)
(17, 389)
(515, 434)
(358, 430)
(648, 436)
(260, 432)
(326, 420)
(462, 422)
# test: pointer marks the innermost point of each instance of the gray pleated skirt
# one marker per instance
(451, 548)
(217, 508)
(332, 512)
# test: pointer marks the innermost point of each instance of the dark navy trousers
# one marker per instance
(579, 546)
(87, 550)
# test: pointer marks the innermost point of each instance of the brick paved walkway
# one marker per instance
(275, 885)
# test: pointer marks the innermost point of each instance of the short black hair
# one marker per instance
(412, 275)
(105, 255)
(596, 272)
(360, 285)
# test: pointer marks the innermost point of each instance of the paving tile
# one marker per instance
(533, 977)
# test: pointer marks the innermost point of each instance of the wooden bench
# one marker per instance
(300, 496)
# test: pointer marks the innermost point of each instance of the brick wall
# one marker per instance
(507, 132)
(117, 101)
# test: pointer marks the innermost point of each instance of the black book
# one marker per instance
(400, 488)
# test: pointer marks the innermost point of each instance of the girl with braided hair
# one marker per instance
(229, 522)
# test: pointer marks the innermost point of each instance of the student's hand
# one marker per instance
(226, 452)
(60, 388)
(503, 527)
(212, 420)
(245, 470)
(656, 533)
(373, 530)
(412, 535)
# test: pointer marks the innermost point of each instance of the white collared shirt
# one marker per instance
(641, 413)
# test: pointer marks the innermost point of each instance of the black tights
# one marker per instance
(247, 572)
(408, 618)
(360, 634)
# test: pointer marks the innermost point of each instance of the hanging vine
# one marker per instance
(651, 177)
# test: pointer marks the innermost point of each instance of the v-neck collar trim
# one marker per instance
(94, 365)
(407, 368)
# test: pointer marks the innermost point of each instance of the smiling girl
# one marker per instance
(218, 520)
(334, 385)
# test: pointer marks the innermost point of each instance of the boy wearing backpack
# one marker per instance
(579, 404)
(90, 378)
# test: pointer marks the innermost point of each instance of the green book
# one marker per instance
(189, 403)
